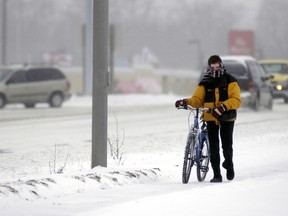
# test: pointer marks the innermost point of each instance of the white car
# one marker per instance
(31, 85)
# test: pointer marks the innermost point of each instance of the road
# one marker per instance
(28, 132)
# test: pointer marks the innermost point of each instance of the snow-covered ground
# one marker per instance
(38, 143)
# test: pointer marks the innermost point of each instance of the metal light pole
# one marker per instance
(100, 82)
(199, 50)
(4, 30)
(111, 56)
(88, 50)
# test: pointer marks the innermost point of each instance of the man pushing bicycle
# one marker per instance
(219, 91)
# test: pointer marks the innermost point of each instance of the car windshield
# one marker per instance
(275, 68)
(236, 69)
(4, 73)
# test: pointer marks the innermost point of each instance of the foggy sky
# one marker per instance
(178, 33)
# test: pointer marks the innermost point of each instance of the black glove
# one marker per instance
(217, 111)
(182, 102)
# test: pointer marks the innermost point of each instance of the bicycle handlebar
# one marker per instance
(202, 109)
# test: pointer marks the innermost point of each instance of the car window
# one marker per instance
(55, 74)
(236, 69)
(34, 75)
(44, 74)
(256, 70)
(261, 70)
(275, 68)
(4, 73)
(18, 77)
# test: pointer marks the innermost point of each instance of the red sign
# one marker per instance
(241, 43)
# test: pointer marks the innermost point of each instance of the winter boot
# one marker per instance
(216, 179)
(230, 174)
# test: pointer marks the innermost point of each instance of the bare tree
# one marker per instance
(167, 26)
(272, 31)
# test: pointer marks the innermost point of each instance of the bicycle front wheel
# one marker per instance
(188, 158)
(203, 163)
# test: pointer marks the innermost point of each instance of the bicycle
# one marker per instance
(197, 150)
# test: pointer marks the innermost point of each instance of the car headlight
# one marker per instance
(279, 87)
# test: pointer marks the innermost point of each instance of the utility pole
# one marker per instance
(4, 30)
(100, 82)
(199, 51)
(88, 47)
(111, 56)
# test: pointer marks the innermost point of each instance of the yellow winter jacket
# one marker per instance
(209, 95)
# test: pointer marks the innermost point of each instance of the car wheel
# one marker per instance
(29, 105)
(270, 104)
(56, 100)
(256, 104)
(286, 100)
(2, 101)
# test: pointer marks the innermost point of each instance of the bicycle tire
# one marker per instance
(203, 163)
(188, 158)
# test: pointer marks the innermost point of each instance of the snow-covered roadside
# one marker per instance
(30, 185)
(30, 188)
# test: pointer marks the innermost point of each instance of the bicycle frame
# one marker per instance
(201, 136)
(197, 150)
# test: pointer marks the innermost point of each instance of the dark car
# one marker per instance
(256, 89)
(31, 85)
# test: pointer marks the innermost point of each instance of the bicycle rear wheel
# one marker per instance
(203, 163)
(188, 158)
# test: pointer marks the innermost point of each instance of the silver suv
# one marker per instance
(31, 85)
(256, 89)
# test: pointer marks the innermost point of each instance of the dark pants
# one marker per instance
(226, 134)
